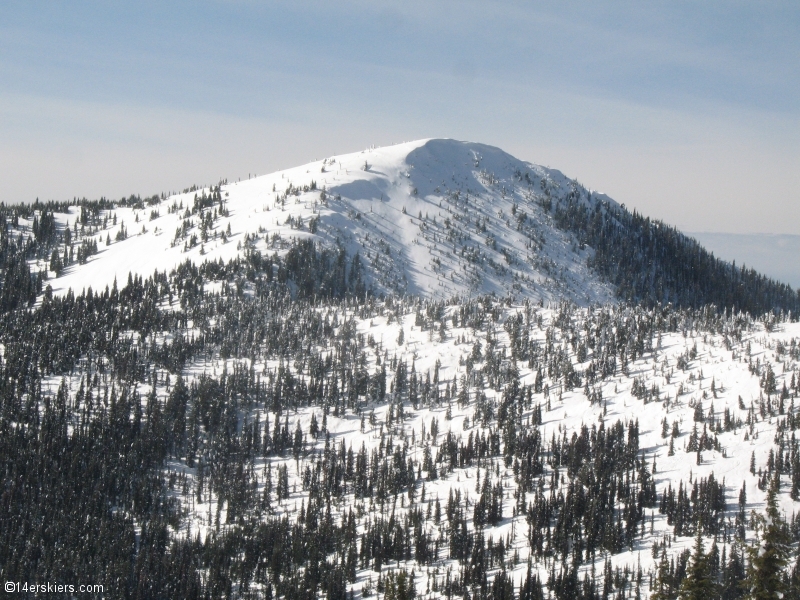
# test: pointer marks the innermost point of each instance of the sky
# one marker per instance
(688, 112)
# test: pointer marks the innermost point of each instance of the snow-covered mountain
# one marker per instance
(196, 401)
(437, 218)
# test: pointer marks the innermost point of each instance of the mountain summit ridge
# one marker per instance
(434, 218)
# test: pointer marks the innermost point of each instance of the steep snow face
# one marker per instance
(437, 218)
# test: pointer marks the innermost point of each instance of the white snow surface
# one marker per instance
(408, 209)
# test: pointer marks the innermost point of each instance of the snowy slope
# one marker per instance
(717, 379)
(437, 218)
(722, 374)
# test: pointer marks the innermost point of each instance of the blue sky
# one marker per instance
(687, 111)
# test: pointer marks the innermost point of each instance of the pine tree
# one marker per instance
(665, 587)
(531, 588)
(399, 586)
(732, 577)
(699, 583)
(769, 557)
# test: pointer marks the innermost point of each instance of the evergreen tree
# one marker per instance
(733, 576)
(399, 586)
(770, 555)
(699, 582)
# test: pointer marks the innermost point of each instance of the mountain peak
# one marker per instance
(434, 217)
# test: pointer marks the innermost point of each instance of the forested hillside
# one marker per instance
(169, 441)
(267, 415)
(651, 262)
